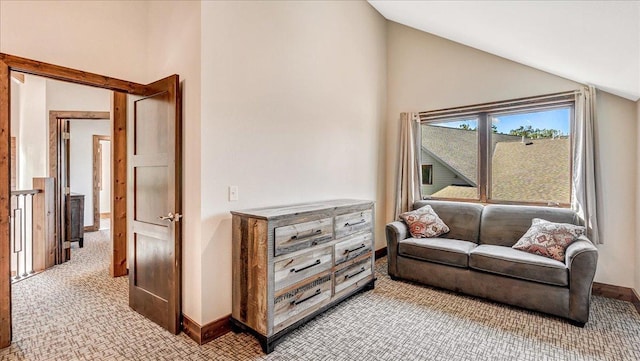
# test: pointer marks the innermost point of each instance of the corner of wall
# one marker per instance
(637, 253)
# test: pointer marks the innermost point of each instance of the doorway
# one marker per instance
(59, 168)
(154, 300)
(101, 179)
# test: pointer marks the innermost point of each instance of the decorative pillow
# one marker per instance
(549, 239)
(424, 223)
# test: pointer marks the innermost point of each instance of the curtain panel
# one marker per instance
(583, 188)
(408, 176)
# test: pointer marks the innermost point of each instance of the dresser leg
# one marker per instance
(236, 327)
(267, 346)
(81, 242)
(371, 285)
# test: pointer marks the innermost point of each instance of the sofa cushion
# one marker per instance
(462, 218)
(439, 250)
(549, 239)
(424, 223)
(503, 225)
(511, 262)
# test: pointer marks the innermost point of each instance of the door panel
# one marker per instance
(154, 192)
(149, 182)
(153, 131)
(151, 265)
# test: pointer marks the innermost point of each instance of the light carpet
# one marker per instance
(75, 311)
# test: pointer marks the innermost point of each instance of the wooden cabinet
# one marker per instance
(292, 263)
(75, 219)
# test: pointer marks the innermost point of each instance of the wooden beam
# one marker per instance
(44, 240)
(118, 265)
(5, 192)
(62, 73)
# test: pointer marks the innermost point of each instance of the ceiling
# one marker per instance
(590, 42)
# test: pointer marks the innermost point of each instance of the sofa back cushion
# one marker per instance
(462, 218)
(504, 225)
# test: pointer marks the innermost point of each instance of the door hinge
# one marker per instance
(67, 190)
(66, 135)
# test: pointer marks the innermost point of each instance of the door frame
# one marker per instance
(59, 124)
(120, 90)
(97, 178)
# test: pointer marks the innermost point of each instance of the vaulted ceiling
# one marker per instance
(590, 42)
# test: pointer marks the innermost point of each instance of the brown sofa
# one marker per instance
(476, 258)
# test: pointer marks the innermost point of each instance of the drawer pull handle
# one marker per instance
(355, 249)
(354, 224)
(317, 262)
(321, 239)
(355, 274)
(295, 303)
(313, 233)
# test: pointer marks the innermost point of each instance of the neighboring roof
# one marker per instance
(457, 192)
(525, 173)
(535, 172)
(458, 148)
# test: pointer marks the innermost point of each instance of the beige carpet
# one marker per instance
(77, 312)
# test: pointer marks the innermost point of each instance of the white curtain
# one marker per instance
(583, 198)
(408, 177)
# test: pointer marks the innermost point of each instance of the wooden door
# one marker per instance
(154, 201)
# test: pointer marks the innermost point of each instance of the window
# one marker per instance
(427, 174)
(507, 152)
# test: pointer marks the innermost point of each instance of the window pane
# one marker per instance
(426, 174)
(451, 148)
(530, 156)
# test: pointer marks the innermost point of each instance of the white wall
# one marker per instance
(293, 111)
(16, 89)
(616, 143)
(427, 73)
(30, 110)
(174, 48)
(105, 37)
(33, 141)
(62, 96)
(105, 193)
(81, 159)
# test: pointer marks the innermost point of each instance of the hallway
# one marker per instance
(76, 311)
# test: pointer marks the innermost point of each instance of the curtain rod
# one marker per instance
(501, 105)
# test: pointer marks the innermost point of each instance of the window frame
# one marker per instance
(422, 181)
(484, 114)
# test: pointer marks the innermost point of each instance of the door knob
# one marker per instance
(171, 217)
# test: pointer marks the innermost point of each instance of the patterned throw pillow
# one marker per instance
(549, 239)
(424, 223)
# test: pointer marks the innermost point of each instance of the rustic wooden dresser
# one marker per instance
(292, 263)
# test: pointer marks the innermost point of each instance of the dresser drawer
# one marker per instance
(351, 275)
(291, 270)
(353, 247)
(351, 223)
(302, 236)
(293, 305)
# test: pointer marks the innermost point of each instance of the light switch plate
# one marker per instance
(233, 193)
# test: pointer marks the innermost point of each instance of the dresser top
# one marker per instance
(300, 208)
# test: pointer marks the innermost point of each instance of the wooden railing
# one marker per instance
(32, 229)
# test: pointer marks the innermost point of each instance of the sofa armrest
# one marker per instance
(396, 231)
(581, 257)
